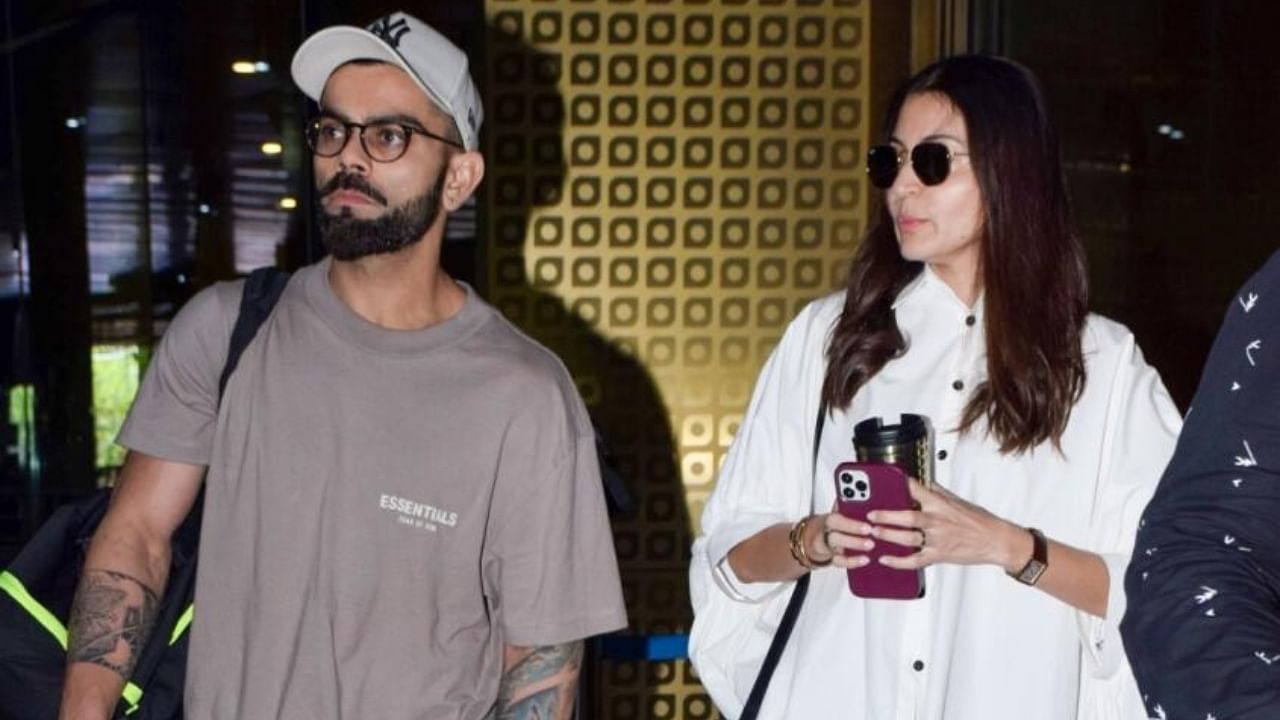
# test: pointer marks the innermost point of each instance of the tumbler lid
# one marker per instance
(874, 432)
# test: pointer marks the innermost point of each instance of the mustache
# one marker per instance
(351, 181)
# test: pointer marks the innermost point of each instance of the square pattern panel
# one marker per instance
(668, 183)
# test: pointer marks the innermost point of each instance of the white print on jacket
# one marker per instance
(1247, 460)
(1247, 302)
(1266, 658)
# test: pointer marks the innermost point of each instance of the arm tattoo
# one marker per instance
(541, 685)
(111, 618)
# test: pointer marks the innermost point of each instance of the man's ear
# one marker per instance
(466, 170)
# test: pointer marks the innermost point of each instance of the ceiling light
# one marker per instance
(249, 67)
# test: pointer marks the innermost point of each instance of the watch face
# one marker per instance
(1032, 572)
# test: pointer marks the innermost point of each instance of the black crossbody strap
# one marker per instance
(783, 633)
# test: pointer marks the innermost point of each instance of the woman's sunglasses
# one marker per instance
(931, 162)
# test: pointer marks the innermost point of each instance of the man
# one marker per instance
(1202, 628)
(403, 515)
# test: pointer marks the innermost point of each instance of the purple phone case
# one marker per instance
(888, 491)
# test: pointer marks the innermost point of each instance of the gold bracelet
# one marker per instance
(798, 552)
(797, 549)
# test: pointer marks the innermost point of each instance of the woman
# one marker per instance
(966, 302)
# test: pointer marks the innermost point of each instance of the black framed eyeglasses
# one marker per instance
(383, 141)
(931, 162)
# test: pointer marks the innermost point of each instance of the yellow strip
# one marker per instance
(181, 626)
(133, 695)
(12, 585)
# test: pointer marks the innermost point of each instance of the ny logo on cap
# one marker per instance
(390, 31)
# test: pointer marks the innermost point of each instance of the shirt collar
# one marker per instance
(927, 287)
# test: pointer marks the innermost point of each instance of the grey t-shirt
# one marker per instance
(384, 509)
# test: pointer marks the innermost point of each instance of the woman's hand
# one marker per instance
(948, 529)
(838, 533)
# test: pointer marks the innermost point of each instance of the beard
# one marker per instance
(347, 237)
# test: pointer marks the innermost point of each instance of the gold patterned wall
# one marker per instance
(668, 183)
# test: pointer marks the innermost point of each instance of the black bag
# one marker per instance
(37, 588)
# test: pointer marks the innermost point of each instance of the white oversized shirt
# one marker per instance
(979, 645)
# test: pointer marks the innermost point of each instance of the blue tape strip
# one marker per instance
(645, 647)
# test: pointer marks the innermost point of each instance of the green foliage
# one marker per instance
(116, 373)
(22, 417)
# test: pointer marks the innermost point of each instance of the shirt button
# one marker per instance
(957, 385)
(942, 454)
(970, 320)
(917, 665)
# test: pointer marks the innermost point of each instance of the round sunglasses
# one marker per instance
(931, 162)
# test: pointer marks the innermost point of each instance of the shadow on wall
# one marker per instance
(525, 184)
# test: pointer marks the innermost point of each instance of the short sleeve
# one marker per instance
(174, 414)
(550, 548)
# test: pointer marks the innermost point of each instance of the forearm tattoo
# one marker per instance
(111, 618)
(541, 685)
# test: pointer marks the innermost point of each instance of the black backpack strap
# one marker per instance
(780, 636)
(261, 291)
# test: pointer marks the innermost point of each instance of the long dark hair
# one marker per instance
(1031, 267)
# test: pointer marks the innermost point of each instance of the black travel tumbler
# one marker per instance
(908, 445)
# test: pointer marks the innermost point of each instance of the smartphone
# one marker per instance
(861, 488)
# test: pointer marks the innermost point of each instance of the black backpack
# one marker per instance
(37, 588)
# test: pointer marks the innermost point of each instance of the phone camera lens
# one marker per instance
(861, 485)
(846, 478)
(848, 493)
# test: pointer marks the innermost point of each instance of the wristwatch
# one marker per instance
(1039, 562)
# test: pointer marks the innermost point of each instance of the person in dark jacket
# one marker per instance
(1202, 628)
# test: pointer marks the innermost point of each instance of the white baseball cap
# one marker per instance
(436, 64)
